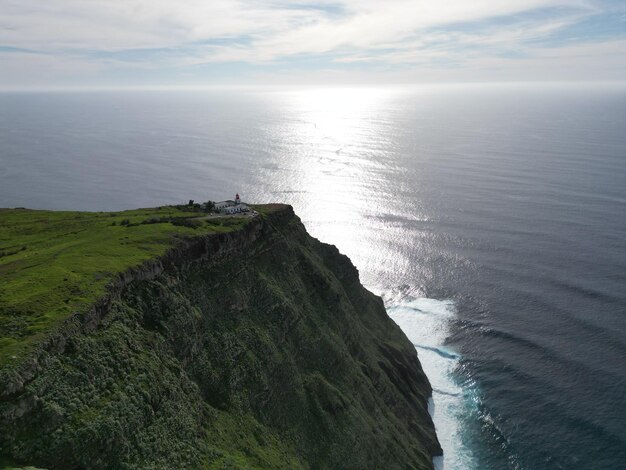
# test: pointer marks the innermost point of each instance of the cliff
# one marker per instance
(253, 348)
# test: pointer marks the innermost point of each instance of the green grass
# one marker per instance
(294, 365)
(8, 464)
(53, 264)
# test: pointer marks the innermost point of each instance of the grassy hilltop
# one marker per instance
(226, 343)
(55, 263)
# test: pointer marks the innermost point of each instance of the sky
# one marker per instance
(205, 43)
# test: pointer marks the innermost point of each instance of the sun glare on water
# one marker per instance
(333, 127)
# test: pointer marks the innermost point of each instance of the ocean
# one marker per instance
(490, 218)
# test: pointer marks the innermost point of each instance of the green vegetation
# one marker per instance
(53, 264)
(119, 398)
(268, 354)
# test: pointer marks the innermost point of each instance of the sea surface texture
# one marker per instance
(492, 220)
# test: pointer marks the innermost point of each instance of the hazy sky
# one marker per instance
(132, 43)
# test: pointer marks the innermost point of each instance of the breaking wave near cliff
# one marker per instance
(426, 322)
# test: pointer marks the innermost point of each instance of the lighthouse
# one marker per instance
(237, 200)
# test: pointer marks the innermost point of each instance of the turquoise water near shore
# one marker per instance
(492, 220)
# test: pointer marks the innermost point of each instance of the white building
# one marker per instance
(231, 207)
(220, 206)
(236, 209)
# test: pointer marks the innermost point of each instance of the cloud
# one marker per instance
(131, 24)
(176, 36)
(27, 69)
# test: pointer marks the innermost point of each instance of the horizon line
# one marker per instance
(309, 86)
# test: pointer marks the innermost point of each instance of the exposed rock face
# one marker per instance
(258, 348)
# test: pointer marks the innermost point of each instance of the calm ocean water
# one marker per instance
(492, 219)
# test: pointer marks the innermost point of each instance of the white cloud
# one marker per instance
(23, 70)
(72, 34)
(128, 24)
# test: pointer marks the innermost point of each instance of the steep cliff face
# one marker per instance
(252, 349)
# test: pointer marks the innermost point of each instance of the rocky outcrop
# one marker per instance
(256, 348)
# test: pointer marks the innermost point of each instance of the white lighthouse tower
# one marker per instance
(237, 200)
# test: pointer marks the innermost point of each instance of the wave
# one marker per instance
(553, 356)
(443, 392)
(426, 322)
(441, 351)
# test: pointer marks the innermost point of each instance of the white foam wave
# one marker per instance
(426, 322)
